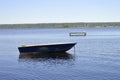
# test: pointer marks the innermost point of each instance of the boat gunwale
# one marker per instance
(48, 44)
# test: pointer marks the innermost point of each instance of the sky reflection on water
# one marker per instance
(96, 57)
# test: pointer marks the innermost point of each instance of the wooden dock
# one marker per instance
(77, 34)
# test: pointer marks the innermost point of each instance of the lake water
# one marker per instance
(96, 56)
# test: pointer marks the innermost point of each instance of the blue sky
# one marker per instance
(50, 11)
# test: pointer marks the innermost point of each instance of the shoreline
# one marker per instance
(62, 25)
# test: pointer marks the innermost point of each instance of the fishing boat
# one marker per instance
(47, 48)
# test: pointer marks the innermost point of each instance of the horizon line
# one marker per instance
(60, 22)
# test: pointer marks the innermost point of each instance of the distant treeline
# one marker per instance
(62, 25)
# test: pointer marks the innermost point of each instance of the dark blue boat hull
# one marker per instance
(47, 48)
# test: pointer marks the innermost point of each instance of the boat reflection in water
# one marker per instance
(45, 56)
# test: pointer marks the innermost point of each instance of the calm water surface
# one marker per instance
(96, 56)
